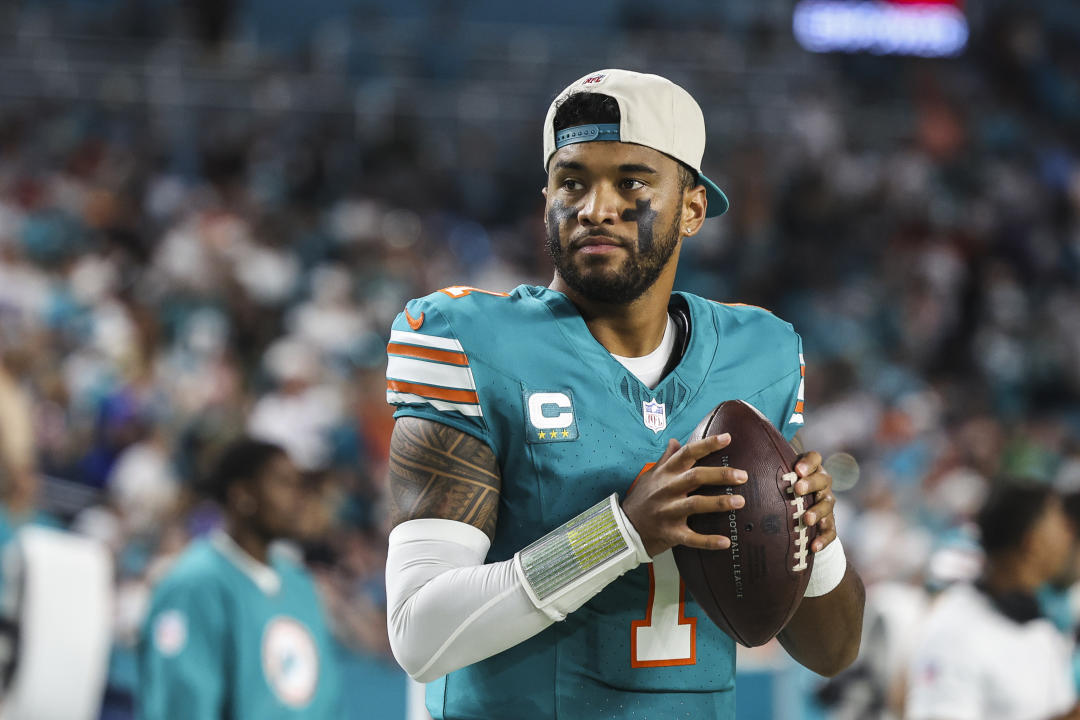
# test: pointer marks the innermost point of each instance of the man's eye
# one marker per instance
(571, 184)
(632, 184)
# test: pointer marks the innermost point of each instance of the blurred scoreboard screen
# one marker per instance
(927, 28)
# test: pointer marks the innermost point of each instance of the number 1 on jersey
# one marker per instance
(666, 636)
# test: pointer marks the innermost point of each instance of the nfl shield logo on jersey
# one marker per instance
(655, 415)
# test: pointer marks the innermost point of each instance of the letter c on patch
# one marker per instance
(550, 411)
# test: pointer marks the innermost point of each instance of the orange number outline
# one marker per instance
(647, 622)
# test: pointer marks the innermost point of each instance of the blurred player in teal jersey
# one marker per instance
(524, 578)
(236, 630)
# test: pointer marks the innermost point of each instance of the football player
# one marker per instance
(235, 630)
(524, 578)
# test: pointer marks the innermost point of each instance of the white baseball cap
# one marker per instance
(653, 111)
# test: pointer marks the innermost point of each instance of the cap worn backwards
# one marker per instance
(654, 112)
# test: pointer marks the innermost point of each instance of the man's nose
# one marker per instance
(600, 206)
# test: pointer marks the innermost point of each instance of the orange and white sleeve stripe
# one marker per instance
(432, 370)
(797, 416)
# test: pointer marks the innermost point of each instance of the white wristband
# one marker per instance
(830, 565)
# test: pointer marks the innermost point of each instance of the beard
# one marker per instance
(620, 285)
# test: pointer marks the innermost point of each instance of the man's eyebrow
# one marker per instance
(637, 168)
(568, 165)
(640, 168)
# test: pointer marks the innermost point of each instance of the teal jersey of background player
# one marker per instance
(568, 426)
(227, 639)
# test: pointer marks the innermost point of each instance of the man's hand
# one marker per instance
(660, 501)
(814, 480)
(825, 633)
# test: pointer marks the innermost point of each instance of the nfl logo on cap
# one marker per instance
(655, 415)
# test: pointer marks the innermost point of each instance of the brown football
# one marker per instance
(752, 589)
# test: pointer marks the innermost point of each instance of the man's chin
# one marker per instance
(598, 281)
(600, 278)
(603, 266)
(608, 288)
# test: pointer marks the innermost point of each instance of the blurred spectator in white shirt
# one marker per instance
(300, 413)
(987, 652)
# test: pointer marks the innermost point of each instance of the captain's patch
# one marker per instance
(549, 416)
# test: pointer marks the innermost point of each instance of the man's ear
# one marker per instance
(693, 210)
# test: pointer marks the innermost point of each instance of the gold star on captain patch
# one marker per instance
(542, 434)
(566, 433)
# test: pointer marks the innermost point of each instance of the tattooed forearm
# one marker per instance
(439, 472)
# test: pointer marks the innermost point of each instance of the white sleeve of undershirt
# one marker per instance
(445, 608)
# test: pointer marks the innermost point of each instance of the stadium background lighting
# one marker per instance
(932, 28)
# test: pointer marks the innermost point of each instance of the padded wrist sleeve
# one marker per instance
(564, 569)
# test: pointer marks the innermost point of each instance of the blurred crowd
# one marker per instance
(163, 290)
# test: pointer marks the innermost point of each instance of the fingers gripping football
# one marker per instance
(816, 483)
(660, 501)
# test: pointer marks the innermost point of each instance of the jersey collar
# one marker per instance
(701, 347)
(264, 576)
(1018, 606)
(691, 370)
(699, 352)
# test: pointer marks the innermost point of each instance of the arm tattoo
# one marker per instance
(437, 471)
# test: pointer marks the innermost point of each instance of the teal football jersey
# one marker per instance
(569, 425)
(222, 642)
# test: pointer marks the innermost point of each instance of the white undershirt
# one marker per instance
(649, 369)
